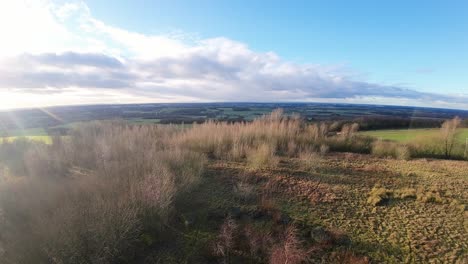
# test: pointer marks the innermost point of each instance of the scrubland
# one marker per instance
(275, 190)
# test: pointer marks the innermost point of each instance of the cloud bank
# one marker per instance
(76, 54)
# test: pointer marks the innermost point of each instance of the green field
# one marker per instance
(405, 135)
(43, 138)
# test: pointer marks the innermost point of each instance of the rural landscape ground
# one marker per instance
(283, 188)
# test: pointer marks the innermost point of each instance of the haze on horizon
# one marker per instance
(95, 52)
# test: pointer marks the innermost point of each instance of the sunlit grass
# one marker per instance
(406, 135)
(43, 138)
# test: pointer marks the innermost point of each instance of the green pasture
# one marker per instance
(406, 135)
(43, 138)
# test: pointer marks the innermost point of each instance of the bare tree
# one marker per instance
(448, 131)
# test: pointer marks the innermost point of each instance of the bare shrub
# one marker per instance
(259, 241)
(234, 141)
(358, 144)
(348, 130)
(427, 146)
(67, 221)
(310, 160)
(383, 149)
(403, 152)
(245, 191)
(448, 131)
(92, 206)
(387, 149)
(442, 145)
(324, 149)
(226, 239)
(289, 250)
(318, 131)
(292, 149)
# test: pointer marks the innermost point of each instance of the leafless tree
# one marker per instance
(448, 131)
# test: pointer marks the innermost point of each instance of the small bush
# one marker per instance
(324, 149)
(290, 250)
(379, 196)
(226, 239)
(310, 160)
(244, 190)
(387, 149)
(405, 193)
(262, 157)
(403, 153)
(357, 144)
(432, 196)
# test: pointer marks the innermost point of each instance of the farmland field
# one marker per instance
(44, 138)
(370, 117)
(406, 135)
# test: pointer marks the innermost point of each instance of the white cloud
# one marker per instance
(61, 54)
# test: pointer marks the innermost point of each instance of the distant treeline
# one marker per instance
(369, 117)
(374, 123)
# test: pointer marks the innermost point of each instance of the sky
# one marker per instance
(106, 52)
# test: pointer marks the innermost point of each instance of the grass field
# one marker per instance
(44, 138)
(406, 135)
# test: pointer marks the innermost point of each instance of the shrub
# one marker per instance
(405, 193)
(290, 250)
(93, 206)
(403, 152)
(442, 145)
(386, 149)
(226, 239)
(324, 149)
(259, 241)
(379, 196)
(262, 157)
(310, 160)
(244, 190)
(358, 144)
(285, 134)
(432, 196)
(448, 131)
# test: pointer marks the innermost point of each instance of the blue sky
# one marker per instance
(392, 52)
(422, 44)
